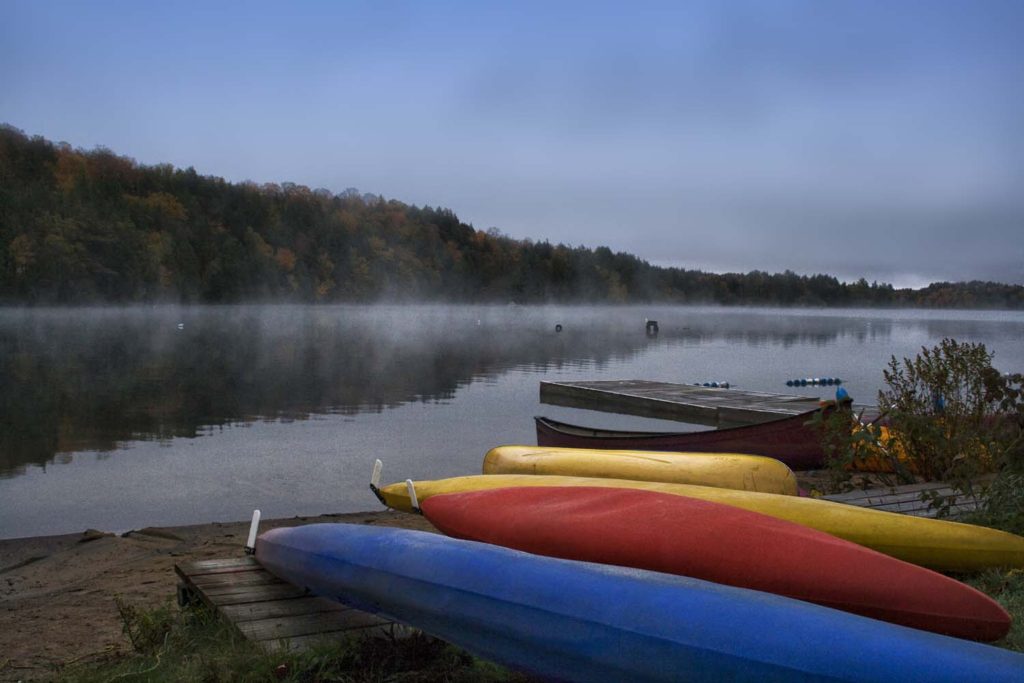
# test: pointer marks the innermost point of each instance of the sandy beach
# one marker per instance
(57, 592)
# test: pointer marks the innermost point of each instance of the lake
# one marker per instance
(120, 418)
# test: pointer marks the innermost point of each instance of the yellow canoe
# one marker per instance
(938, 544)
(721, 470)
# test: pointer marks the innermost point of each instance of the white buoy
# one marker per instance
(250, 545)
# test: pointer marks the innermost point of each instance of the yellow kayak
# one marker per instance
(938, 544)
(721, 470)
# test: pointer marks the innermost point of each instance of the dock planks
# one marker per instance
(669, 401)
(274, 614)
(906, 499)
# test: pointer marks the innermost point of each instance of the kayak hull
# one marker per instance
(719, 543)
(721, 470)
(578, 621)
(933, 543)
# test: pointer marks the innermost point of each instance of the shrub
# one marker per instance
(948, 416)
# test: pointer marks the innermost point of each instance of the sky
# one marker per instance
(862, 139)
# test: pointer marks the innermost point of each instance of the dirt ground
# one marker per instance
(57, 592)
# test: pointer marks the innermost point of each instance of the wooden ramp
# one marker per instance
(683, 402)
(906, 499)
(268, 611)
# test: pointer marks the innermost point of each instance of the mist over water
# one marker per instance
(122, 418)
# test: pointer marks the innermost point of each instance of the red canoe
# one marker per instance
(789, 439)
(719, 543)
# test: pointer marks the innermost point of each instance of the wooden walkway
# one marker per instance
(905, 499)
(268, 611)
(683, 402)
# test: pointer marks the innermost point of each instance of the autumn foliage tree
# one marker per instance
(91, 226)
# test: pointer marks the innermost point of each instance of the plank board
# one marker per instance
(683, 402)
(274, 614)
(905, 499)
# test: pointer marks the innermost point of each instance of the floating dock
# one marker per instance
(682, 402)
(274, 614)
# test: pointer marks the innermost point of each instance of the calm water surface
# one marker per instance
(124, 418)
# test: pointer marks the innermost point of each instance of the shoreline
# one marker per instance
(57, 592)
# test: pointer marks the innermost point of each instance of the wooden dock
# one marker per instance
(683, 402)
(268, 611)
(906, 499)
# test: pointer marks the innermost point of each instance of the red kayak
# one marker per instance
(719, 543)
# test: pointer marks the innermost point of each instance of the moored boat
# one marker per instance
(789, 439)
(719, 543)
(579, 621)
(723, 470)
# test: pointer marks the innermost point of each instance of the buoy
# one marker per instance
(813, 381)
(651, 328)
(558, 327)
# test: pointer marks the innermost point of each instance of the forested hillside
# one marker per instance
(90, 226)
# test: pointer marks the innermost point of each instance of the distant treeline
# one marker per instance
(90, 226)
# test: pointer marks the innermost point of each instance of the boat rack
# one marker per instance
(273, 614)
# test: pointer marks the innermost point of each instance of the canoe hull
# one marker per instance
(721, 470)
(715, 542)
(585, 622)
(789, 439)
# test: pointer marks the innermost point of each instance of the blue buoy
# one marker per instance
(803, 382)
(789, 382)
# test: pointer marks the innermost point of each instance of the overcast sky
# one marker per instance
(875, 139)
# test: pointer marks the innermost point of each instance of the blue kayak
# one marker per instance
(580, 621)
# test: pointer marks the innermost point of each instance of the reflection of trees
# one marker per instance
(90, 379)
(759, 329)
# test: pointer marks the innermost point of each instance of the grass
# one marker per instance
(194, 645)
(1007, 588)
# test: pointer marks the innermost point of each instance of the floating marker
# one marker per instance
(813, 381)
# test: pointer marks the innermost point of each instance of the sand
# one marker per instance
(57, 592)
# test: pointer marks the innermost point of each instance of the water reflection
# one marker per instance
(73, 380)
(77, 380)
